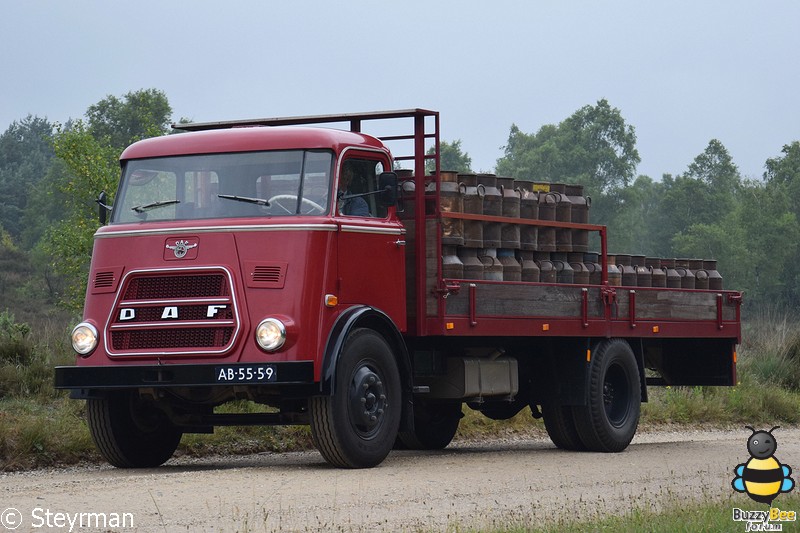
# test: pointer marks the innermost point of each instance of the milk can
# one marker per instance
(451, 194)
(687, 276)
(512, 270)
(673, 278)
(530, 270)
(659, 275)
(614, 273)
(452, 266)
(547, 211)
(492, 267)
(528, 210)
(472, 204)
(405, 177)
(564, 272)
(493, 206)
(592, 262)
(714, 277)
(579, 214)
(547, 272)
(643, 276)
(700, 275)
(473, 267)
(509, 233)
(627, 270)
(580, 272)
(563, 214)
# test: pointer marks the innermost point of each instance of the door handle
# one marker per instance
(399, 243)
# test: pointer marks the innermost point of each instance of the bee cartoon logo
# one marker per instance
(762, 477)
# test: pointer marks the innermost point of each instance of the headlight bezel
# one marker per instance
(82, 347)
(276, 330)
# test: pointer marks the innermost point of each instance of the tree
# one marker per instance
(451, 157)
(26, 154)
(593, 147)
(138, 115)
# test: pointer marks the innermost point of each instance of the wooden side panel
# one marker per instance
(525, 300)
(671, 305)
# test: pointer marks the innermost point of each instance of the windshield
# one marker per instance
(248, 184)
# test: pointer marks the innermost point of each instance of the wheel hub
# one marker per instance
(367, 401)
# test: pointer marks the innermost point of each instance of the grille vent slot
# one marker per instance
(266, 275)
(103, 280)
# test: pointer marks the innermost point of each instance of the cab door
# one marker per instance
(371, 245)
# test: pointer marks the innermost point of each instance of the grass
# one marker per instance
(40, 426)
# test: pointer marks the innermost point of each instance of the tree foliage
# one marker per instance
(119, 122)
(451, 157)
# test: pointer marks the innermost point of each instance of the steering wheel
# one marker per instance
(313, 207)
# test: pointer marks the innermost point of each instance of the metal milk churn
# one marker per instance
(714, 277)
(592, 262)
(509, 233)
(673, 278)
(627, 269)
(492, 267)
(452, 266)
(405, 177)
(493, 206)
(614, 273)
(473, 204)
(473, 267)
(643, 276)
(528, 210)
(563, 214)
(564, 272)
(579, 214)
(658, 274)
(580, 272)
(547, 211)
(700, 275)
(512, 270)
(530, 270)
(687, 276)
(547, 271)
(451, 194)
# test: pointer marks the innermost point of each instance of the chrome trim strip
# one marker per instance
(216, 229)
(225, 349)
(372, 229)
(201, 300)
(173, 325)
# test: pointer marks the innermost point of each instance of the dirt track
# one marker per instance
(468, 484)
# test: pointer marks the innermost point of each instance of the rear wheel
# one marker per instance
(435, 425)
(130, 432)
(560, 425)
(357, 426)
(609, 421)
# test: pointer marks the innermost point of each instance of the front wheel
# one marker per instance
(435, 425)
(609, 421)
(130, 432)
(357, 426)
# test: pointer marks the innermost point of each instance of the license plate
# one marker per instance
(246, 374)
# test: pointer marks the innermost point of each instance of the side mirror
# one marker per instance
(387, 184)
(103, 208)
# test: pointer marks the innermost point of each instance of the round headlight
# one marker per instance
(84, 338)
(271, 334)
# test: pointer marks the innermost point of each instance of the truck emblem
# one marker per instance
(181, 247)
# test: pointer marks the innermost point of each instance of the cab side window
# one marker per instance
(357, 195)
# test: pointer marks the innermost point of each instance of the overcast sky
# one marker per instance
(681, 72)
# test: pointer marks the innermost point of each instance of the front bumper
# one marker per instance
(183, 375)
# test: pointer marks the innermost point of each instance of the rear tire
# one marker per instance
(608, 423)
(357, 426)
(435, 425)
(560, 425)
(129, 432)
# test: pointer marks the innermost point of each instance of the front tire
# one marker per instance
(129, 432)
(357, 426)
(608, 423)
(435, 425)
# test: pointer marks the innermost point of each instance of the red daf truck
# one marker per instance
(280, 261)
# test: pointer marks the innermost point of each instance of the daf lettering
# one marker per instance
(169, 312)
(127, 314)
(213, 310)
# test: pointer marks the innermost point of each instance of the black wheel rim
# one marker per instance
(367, 401)
(616, 395)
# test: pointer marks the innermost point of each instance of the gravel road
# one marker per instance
(473, 485)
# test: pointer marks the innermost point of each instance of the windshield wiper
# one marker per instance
(258, 201)
(147, 207)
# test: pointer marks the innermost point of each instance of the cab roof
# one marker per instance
(250, 139)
